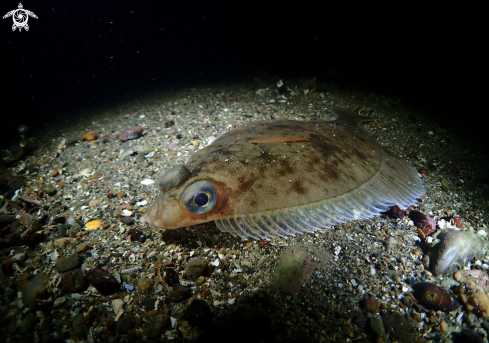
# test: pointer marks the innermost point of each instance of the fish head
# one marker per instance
(187, 199)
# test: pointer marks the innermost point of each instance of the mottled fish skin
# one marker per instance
(278, 178)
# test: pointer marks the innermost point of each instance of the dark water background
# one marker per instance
(85, 53)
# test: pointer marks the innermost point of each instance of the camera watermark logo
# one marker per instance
(20, 17)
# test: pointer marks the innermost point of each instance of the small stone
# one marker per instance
(179, 293)
(82, 247)
(59, 301)
(73, 281)
(124, 325)
(50, 190)
(103, 281)
(171, 277)
(372, 305)
(67, 263)
(90, 136)
(145, 285)
(195, 267)
(200, 281)
(79, 328)
(93, 203)
(443, 326)
(62, 242)
(129, 134)
(54, 173)
(155, 326)
(377, 327)
(34, 288)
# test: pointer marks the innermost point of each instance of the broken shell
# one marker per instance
(94, 224)
(434, 297)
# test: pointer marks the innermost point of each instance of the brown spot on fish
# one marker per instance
(295, 177)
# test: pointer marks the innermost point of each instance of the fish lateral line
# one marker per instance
(265, 140)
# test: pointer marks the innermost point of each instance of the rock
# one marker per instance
(372, 305)
(434, 297)
(34, 288)
(395, 212)
(145, 285)
(399, 328)
(59, 301)
(90, 136)
(50, 190)
(377, 327)
(62, 230)
(132, 133)
(67, 263)
(195, 267)
(179, 293)
(124, 324)
(296, 265)
(421, 221)
(454, 249)
(73, 281)
(171, 277)
(103, 281)
(156, 325)
(79, 328)
(62, 242)
(476, 300)
(82, 247)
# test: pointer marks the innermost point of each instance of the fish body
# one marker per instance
(270, 179)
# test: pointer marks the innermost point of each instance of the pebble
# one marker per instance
(82, 247)
(195, 267)
(73, 281)
(54, 173)
(62, 242)
(179, 293)
(155, 325)
(79, 328)
(145, 285)
(59, 301)
(171, 277)
(434, 297)
(454, 249)
(93, 203)
(50, 190)
(103, 281)
(33, 289)
(67, 263)
(377, 327)
(124, 325)
(372, 305)
(476, 301)
(90, 136)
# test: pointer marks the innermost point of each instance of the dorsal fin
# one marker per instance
(349, 116)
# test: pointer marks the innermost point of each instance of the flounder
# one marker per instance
(271, 179)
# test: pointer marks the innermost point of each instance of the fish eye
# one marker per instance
(200, 197)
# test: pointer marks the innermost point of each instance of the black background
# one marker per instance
(84, 53)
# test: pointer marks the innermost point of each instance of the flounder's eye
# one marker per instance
(200, 197)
